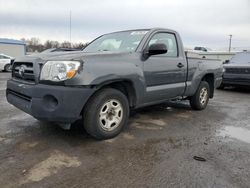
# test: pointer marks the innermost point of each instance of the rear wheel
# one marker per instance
(106, 114)
(200, 99)
(7, 68)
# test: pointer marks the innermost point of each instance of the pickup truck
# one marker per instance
(237, 71)
(115, 73)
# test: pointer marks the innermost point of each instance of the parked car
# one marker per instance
(237, 71)
(113, 74)
(5, 62)
(202, 49)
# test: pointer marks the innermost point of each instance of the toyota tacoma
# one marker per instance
(115, 73)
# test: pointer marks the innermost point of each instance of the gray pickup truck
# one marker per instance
(113, 74)
(237, 71)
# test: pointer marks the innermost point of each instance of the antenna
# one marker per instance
(70, 27)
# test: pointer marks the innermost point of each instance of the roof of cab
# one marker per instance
(145, 29)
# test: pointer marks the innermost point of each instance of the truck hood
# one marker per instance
(237, 65)
(65, 56)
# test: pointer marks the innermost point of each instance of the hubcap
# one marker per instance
(203, 96)
(111, 115)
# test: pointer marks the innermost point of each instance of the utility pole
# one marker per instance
(70, 27)
(230, 42)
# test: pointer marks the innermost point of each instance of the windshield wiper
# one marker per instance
(104, 50)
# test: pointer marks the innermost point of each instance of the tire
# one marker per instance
(106, 114)
(7, 68)
(201, 97)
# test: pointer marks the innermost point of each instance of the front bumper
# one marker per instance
(59, 104)
(217, 82)
(236, 79)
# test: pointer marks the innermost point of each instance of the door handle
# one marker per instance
(180, 65)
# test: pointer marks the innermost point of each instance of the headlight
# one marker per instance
(59, 70)
(223, 70)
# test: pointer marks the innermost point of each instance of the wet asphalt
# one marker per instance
(156, 149)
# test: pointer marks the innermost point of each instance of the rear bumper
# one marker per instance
(49, 103)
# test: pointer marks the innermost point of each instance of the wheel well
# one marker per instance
(126, 87)
(209, 78)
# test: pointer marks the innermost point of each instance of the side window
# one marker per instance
(169, 40)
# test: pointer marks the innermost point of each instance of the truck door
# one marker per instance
(165, 74)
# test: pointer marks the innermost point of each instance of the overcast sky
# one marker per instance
(200, 22)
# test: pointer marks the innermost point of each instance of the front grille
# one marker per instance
(23, 71)
(238, 70)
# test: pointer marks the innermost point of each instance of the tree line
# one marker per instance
(35, 45)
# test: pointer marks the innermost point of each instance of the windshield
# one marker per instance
(241, 58)
(126, 41)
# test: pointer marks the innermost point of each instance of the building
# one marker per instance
(13, 48)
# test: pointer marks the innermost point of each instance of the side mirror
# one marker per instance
(156, 49)
(226, 62)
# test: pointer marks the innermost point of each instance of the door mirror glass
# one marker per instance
(157, 48)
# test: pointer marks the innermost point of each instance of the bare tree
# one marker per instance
(65, 44)
(51, 44)
(34, 45)
(80, 45)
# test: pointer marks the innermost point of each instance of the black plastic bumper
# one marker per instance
(217, 82)
(49, 103)
(236, 79)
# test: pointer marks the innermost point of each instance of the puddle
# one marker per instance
(146, 126)
(239, 133)
(5, 140)
(54, 163)
(169, 109)
(147, 123)
(111, 140)
(183, 115)
(128, 136)
(26, 145)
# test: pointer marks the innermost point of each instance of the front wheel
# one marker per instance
(106, 114)
(201, 97)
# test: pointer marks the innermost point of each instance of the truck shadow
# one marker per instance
(237, 89)
(180, 105)
(77, 133)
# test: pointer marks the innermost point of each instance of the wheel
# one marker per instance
(106, 114)
(7, 68)
(201, 97)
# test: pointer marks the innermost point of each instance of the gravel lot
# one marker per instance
(155, 150)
